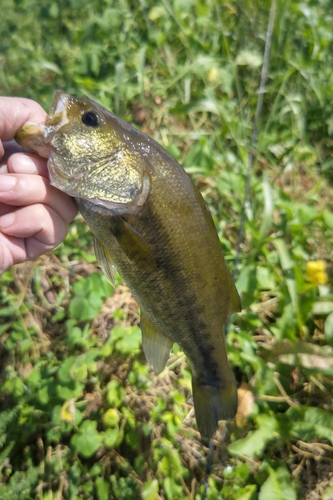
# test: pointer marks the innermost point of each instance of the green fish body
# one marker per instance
(152, 225)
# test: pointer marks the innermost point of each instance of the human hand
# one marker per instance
(33, 214)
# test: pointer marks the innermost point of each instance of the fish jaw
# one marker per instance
(31, 137)
(58, 104)
(58, 116)
(37, 137)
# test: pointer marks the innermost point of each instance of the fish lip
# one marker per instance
(57, 116)
(58, 103)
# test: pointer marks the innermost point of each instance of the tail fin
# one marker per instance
(211, 404)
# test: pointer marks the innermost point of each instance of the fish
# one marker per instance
(151, 224)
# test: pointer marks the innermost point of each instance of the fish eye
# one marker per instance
(91, 119)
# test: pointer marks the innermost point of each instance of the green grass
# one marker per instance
(81, 414)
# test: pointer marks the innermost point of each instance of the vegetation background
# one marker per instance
(82, 416)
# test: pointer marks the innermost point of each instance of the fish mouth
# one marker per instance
(37, 137)
(58, 105)
(57, 117)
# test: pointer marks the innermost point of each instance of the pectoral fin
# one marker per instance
(104, 259)
(131, 242)
(156, 345)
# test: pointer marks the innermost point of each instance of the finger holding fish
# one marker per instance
(19, 190)
(26, 163)
(14, 113)
(33, 214)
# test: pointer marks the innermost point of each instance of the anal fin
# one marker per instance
(105, 261)
(156, 344)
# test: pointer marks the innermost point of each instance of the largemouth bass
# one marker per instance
(152, 224)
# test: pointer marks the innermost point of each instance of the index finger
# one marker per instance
(14, 113)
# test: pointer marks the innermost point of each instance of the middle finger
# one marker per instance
(29, 189)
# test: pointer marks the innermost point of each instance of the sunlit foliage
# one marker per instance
(82, 416)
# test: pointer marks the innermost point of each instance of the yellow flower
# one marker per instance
(67, 412)
(316, 272)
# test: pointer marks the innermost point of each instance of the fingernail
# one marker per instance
(7, 182)
(7, 220)
(22, 163)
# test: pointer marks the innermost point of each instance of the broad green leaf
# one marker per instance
(85, 308)
(89, 294)
(88, 440)
(307, 214)
(115, 394)
(130, 342)
(328, 218)
(113, 437)
(171, 488)
(254, 443)
(64, 372)
(311, 423)
(71, 390)
(103, 489)
(14, 386)
(47, 391)
(247, 493)
(277, 486)
(150, 490)
(265, 278)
